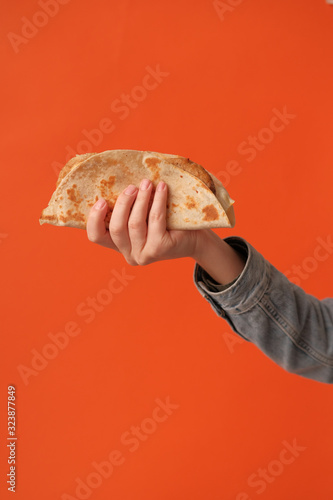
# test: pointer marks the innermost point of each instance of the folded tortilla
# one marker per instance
(196, 199)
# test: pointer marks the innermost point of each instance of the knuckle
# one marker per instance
(144, 260)
(115, 230)
(134, 224)
(131, 261)
(155, 216)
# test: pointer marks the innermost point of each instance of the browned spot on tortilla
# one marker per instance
(153, 165)
(73, 194)
(210, 213)
(112, 163)
(49, 217)
(187, 219)
(191, 203)
(106, 187)
(174, 205)
(72, 216)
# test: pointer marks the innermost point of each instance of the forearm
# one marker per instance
(293, 328)
(217, 258)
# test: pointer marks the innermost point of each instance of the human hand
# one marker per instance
(137, 230)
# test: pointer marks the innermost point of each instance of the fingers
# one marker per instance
(96, 230)
(119, 221)
(157, 214)
(137, 225)
(128, 231)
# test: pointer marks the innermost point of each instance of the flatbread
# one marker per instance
(196, 199)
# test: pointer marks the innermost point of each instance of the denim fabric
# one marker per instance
(291, 327)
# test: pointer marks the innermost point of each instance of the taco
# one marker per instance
(196, 199)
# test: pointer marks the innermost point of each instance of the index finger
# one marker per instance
(96, 229)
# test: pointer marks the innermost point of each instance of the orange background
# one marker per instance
(158, 338)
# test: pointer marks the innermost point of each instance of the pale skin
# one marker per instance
(140, 234)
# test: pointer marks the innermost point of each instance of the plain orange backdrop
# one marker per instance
(224, 74)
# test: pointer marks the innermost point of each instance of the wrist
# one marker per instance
(208, 244)
(218, 258)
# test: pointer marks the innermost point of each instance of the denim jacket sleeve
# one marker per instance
(292, 328)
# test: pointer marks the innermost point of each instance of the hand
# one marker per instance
(138, 232)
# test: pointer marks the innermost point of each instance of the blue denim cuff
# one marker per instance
(246, 291)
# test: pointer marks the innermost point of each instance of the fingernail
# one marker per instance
(130, 190)
(161, 186)
(99, 204)
(144, 184)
